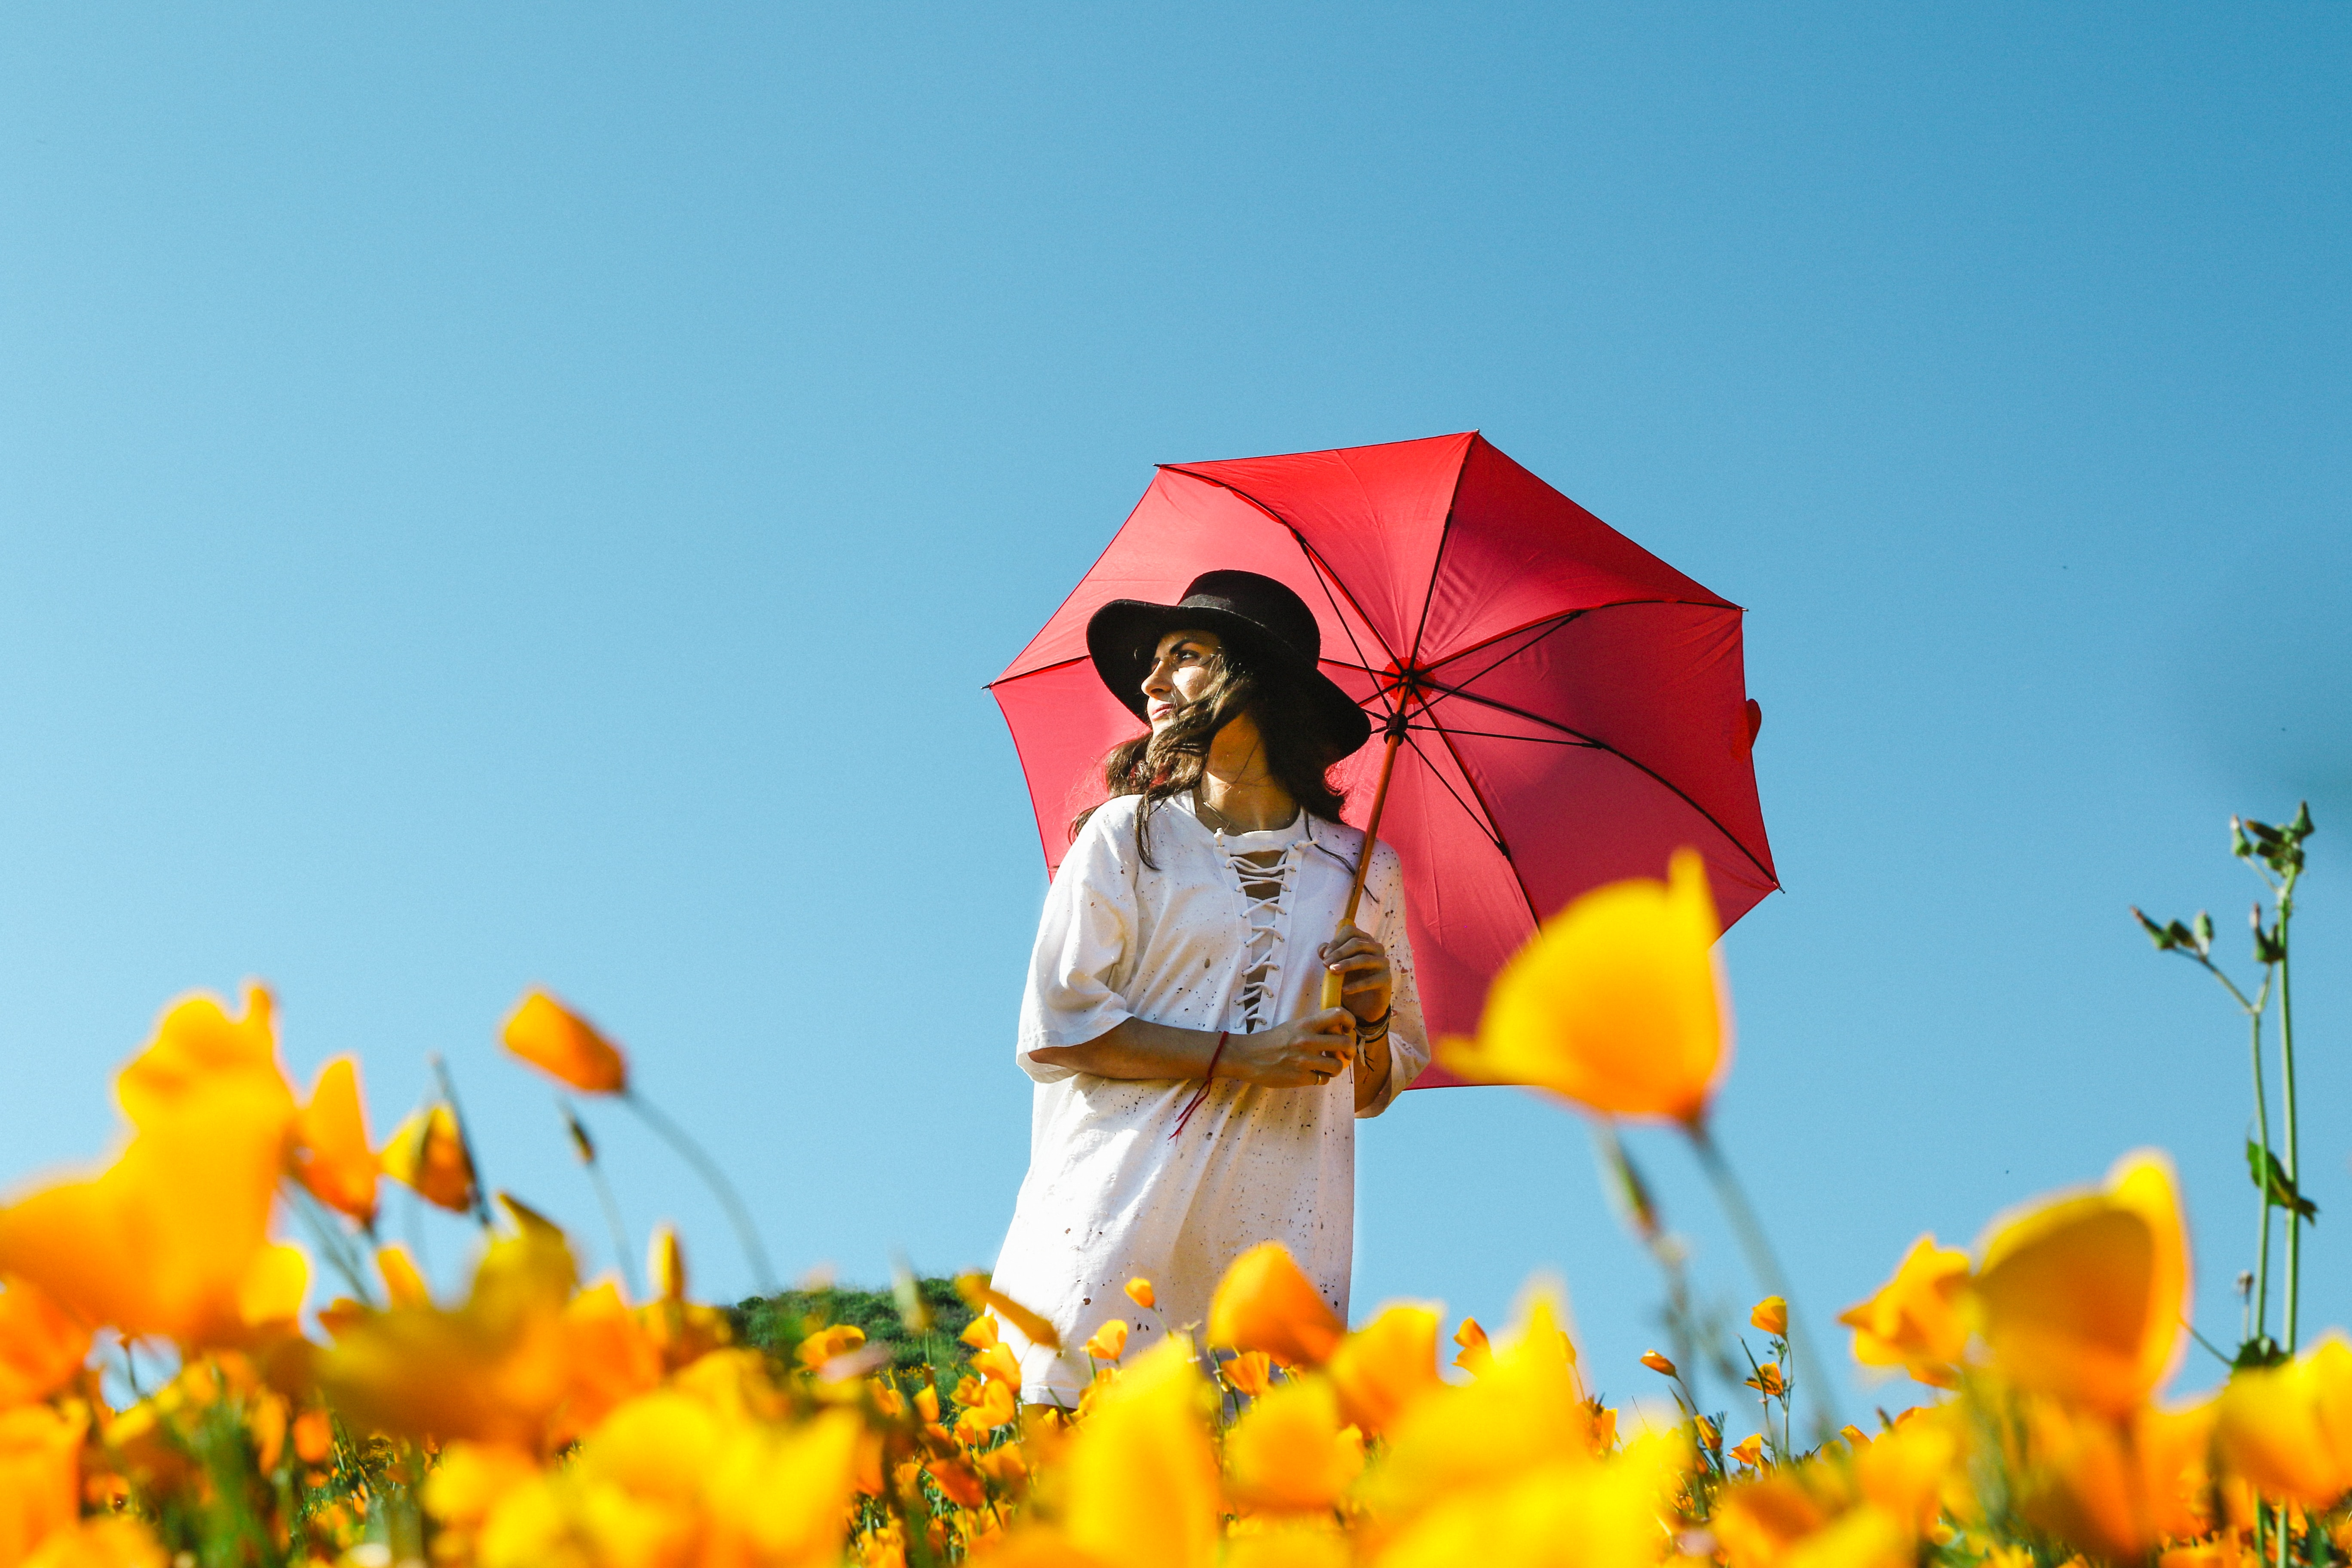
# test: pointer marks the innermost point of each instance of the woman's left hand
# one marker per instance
(1364, 963)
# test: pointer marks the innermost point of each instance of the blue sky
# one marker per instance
(505, 494)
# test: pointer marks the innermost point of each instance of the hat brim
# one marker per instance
(1123, 635)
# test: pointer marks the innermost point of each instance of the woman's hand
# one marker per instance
(1306, 1054)
(1364, 963)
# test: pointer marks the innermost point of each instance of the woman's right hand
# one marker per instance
(1305, 1054)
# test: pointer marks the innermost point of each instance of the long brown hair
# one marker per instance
(1157, 765)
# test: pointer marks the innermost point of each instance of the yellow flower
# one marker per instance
(2081, 1296)
(666, 1264)
(1266, 1302)
(427, 1155)
(1659, 1364)
(981, 1296)
(1384, 1367)
(998, 1365)
(1249, 1372)
(611, 1356)
(330, 1151)
(1771, 1315)
(1290, 1452)
(1475, 1350)
(41, 1344)
(561, 1044)
(40, 1477)
(1603, 1514)
(471, 1477)
(1767, 1380)
(1914, 1320)
(1109, 1341)
(827, 1343)
(1614, 1004)
(782, 1497)
(314, 1436)
(1527, 1408)
(2288, 1429)
(197, 1044)
(494, 1370)
(120, 1542)
(2114, 1488)
(172, 1240)
(403, 1285)
(1139, 1290)
(1140, 1479)
(1749, 1450)
(1906, 1470)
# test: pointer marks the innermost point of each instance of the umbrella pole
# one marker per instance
(1332, 983)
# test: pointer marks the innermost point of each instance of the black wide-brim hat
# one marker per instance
(1271, 626)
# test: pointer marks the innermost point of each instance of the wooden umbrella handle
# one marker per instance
(1333, 983)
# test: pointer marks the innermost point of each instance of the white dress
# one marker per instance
(1220, 935)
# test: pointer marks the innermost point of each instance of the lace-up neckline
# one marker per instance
(1264, 866)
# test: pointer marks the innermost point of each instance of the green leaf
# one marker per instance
(2259, 1352)
(2262, 1162)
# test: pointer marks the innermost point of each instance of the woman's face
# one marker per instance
(1179, 674)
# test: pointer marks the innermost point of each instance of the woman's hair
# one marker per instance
(1171, 760)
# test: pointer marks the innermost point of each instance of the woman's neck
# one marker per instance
(1235, 785)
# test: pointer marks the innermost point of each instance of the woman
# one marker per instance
(1193, 1096)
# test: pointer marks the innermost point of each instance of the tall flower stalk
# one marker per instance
(2275, 854)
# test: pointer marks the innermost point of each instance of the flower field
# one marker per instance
(180, 1385)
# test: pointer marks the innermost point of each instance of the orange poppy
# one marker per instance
(331, 1155)
(2081, 1296)
(565, 1046)
(1266, 1302)
(1615, 1002)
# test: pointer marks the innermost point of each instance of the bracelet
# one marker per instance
(1207, 1078)
(1380, 1025)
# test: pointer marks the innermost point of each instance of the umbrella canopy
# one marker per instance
(1573, 708)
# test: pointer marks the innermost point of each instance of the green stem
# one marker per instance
(585, 1147)
(716, 1180)
(2287, 1095)
(1765, 1266)
(2262, 1185)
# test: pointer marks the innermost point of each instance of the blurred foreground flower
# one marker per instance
(331, 1153)
(172, 1240)
(1914, 1321)
(2288, 1429)
(2082, 1296)
(427, 1155)
(1266, 1302)
(1615, 1002)
(558, 1041)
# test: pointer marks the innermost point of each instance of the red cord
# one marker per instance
(1206, 1079)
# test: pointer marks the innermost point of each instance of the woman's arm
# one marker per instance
(1305, 1054)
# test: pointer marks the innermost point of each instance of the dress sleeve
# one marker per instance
(1085, 950)
(1408, 1037)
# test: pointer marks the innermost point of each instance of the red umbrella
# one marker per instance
(1561, 707)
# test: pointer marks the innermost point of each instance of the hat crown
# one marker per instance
(1264, 601)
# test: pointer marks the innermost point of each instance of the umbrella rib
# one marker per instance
(1532, 642)
(1313, 558)
(1601, 745)
(1494, 829)
(1483, 821)
(1577, 742)
(1571, 615)
(1041, 669)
